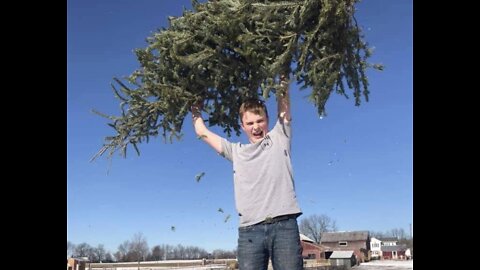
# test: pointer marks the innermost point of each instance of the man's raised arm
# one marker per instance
(283, 100)
(203, 132)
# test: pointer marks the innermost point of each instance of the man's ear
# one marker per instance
(243, 127)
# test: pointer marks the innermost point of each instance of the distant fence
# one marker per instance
(209, 267)
(327, 267)
(164, 265)
(222, 264)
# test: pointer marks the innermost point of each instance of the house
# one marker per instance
(76, 263)
(375, 247)
(358, 241)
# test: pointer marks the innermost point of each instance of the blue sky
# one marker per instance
(355, 165)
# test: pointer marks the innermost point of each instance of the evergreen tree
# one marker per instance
(225, 51)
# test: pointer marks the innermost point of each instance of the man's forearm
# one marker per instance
(203, 132)
(198, 124)
(283, 100)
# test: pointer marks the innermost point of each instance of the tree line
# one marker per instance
(137, 249)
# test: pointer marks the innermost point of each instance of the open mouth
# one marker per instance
(258, 134)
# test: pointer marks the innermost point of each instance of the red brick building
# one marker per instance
(311, 250)
(76, 264)
(357, 241)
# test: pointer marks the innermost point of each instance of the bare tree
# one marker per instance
(314, 225)
(168, 252)
(83, 250)
(123, 249)
(223, 254)
(196, 253)
(70, 249)
(398, 233)
(179, 252)
(108, 257)
(157, 253)
(92, 255)
(376, 234)
(99, 253)
(118, 256)
(138, 248)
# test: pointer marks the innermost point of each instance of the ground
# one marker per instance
(385, 265)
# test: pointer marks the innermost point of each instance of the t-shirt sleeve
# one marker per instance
(226, 149)
(283, 128)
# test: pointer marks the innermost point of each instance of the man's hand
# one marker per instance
(196, 109)
(284, 80)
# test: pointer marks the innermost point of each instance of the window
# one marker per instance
(342, 244)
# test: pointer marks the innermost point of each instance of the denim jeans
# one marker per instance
(279, 241)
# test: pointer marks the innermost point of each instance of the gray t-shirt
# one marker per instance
(263, 178)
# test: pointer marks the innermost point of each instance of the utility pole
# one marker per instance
(411, 236)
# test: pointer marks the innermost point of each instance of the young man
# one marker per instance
(264, 188)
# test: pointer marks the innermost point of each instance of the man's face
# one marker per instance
(255, 126)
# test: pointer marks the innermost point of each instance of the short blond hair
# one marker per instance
(255, 106)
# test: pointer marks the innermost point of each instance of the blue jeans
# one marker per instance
(279, 241)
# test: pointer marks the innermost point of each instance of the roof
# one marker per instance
(305, 238)
(342, 254)
(388, 239)
(393, 248)
(82, 259)
(309, 246)
(344, 236)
